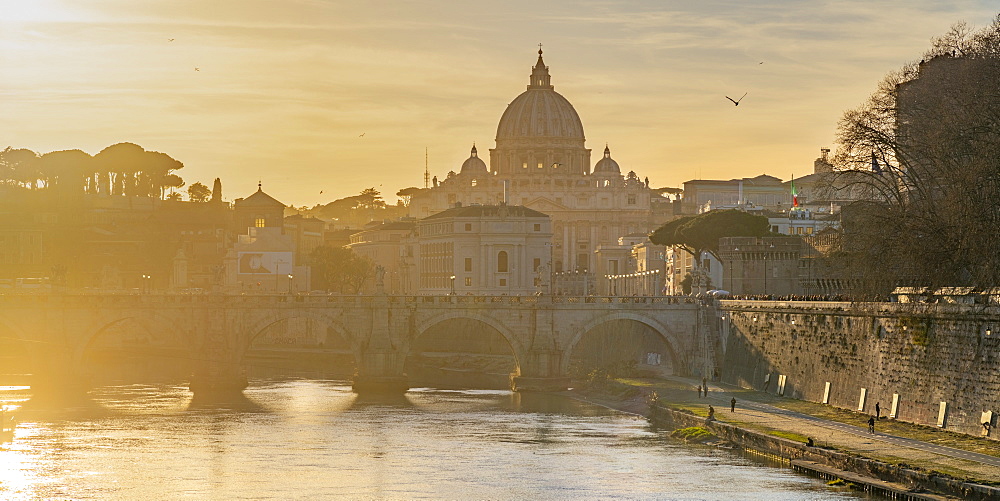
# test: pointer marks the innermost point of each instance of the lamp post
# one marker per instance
(453, 285)
(145, 283)
(290, 277)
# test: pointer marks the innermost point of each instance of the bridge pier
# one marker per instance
(541, 371)
(380, 372)
(220, 373)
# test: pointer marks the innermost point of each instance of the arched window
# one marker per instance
(502, 262)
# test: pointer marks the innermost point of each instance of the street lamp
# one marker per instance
(145, 283)
(290, 277)
(453, 285)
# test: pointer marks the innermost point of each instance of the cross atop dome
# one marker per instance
(540, 78)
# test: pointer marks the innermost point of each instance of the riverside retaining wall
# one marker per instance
(921, 355)
(789, 449)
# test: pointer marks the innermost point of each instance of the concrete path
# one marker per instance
(844, 436)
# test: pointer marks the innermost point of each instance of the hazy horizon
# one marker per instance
(284, 91)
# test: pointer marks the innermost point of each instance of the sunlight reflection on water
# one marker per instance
(317, 439)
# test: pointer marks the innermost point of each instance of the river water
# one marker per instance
(309, 439)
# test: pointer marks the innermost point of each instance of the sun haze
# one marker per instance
(346, 95)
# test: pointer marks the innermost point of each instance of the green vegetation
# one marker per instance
(701, 233)
(693, 434)
(339, 269)
(123, 169)
(789, 435)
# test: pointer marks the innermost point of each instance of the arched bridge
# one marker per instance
(219, 330)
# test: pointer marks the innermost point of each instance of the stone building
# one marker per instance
(481, 249)
(541, 162)
(383, 244)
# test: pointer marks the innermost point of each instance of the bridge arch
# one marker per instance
(167, 342)
(425, 324)
(518, 352)
(259, 326)
(674, 344)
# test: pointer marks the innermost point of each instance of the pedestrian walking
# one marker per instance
(732, 405)
(878, 412)
(711, 412)
(871, 425)
(704, 384)
(699, 391)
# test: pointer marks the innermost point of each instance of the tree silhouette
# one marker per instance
(339, 269)
(924, 145)
(198, 192)
(701, 233)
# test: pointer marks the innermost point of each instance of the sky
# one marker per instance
(318, 100)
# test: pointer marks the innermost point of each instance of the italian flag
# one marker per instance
(795, 195)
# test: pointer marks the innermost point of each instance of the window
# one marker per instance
(474, 182)
(258, 222)
(524, 165)
(468, 281)
(613, 266)
(468, 226)
(631, 199)
(503, 282)
(798, 231)
(502, 262)
(809, 230)
(468, 264)
(539, 165)
(774, 229)
(536, 264)
(538, 227)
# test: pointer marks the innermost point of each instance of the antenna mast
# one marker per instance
(427, 172)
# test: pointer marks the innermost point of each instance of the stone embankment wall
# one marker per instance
(791, 450)
(921, 354)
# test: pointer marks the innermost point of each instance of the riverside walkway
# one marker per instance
(761, 411)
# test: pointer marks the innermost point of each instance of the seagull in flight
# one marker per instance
(736, 102)
(362, 134)
(199, 69)
(170, 39)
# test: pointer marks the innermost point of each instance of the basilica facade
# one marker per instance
(541, 162)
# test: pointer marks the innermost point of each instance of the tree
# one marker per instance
(340, 269)
(198, 192)
(924, 145)
(701, 233)
(406, 193)
(19, 166)
(370, 198)
(66, 170)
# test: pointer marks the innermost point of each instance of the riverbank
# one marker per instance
(838, 451)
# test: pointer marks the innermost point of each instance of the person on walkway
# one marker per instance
(871, 425)
(732, 405)
(704, 384)
(878, 412)
(699, 391)
(711, 412)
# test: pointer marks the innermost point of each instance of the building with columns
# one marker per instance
(541, 162)
(481, 249)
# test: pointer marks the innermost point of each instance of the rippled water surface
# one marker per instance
(304, 439)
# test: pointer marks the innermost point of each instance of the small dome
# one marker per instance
(474, 164)
(606, 165)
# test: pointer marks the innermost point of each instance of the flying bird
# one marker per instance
(362, 134)
(197, 69)
(170, 39)
(736, 102)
